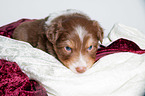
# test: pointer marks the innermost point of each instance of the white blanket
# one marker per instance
(119, 74)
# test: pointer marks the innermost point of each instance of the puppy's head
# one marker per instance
(75, 41)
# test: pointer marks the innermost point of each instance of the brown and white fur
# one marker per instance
(70, 36)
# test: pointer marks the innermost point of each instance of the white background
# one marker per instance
(107, 12)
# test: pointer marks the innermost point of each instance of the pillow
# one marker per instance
(119, 74)
(122, 31)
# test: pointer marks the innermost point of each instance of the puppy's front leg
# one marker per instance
(45, 45)
(42, 42)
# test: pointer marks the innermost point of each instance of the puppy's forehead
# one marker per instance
(79, 38)
(80, 31)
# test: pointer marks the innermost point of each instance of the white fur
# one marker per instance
(52, 16)
(81, 32)
(81, 62)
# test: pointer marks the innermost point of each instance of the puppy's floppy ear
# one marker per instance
(100, 32)
(53, 31)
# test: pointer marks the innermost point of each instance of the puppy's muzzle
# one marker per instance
(81, 69)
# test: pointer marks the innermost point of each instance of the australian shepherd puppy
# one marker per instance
(71, 36)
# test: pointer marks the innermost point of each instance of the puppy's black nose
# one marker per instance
(81, 69)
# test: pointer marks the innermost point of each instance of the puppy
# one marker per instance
(71, 36)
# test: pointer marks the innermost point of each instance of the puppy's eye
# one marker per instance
(67, 49)
(90, 48)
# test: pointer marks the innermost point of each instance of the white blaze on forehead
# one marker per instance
(81, 61)
(81, 31)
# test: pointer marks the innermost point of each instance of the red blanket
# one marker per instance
(120, 45)
(13, 82)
